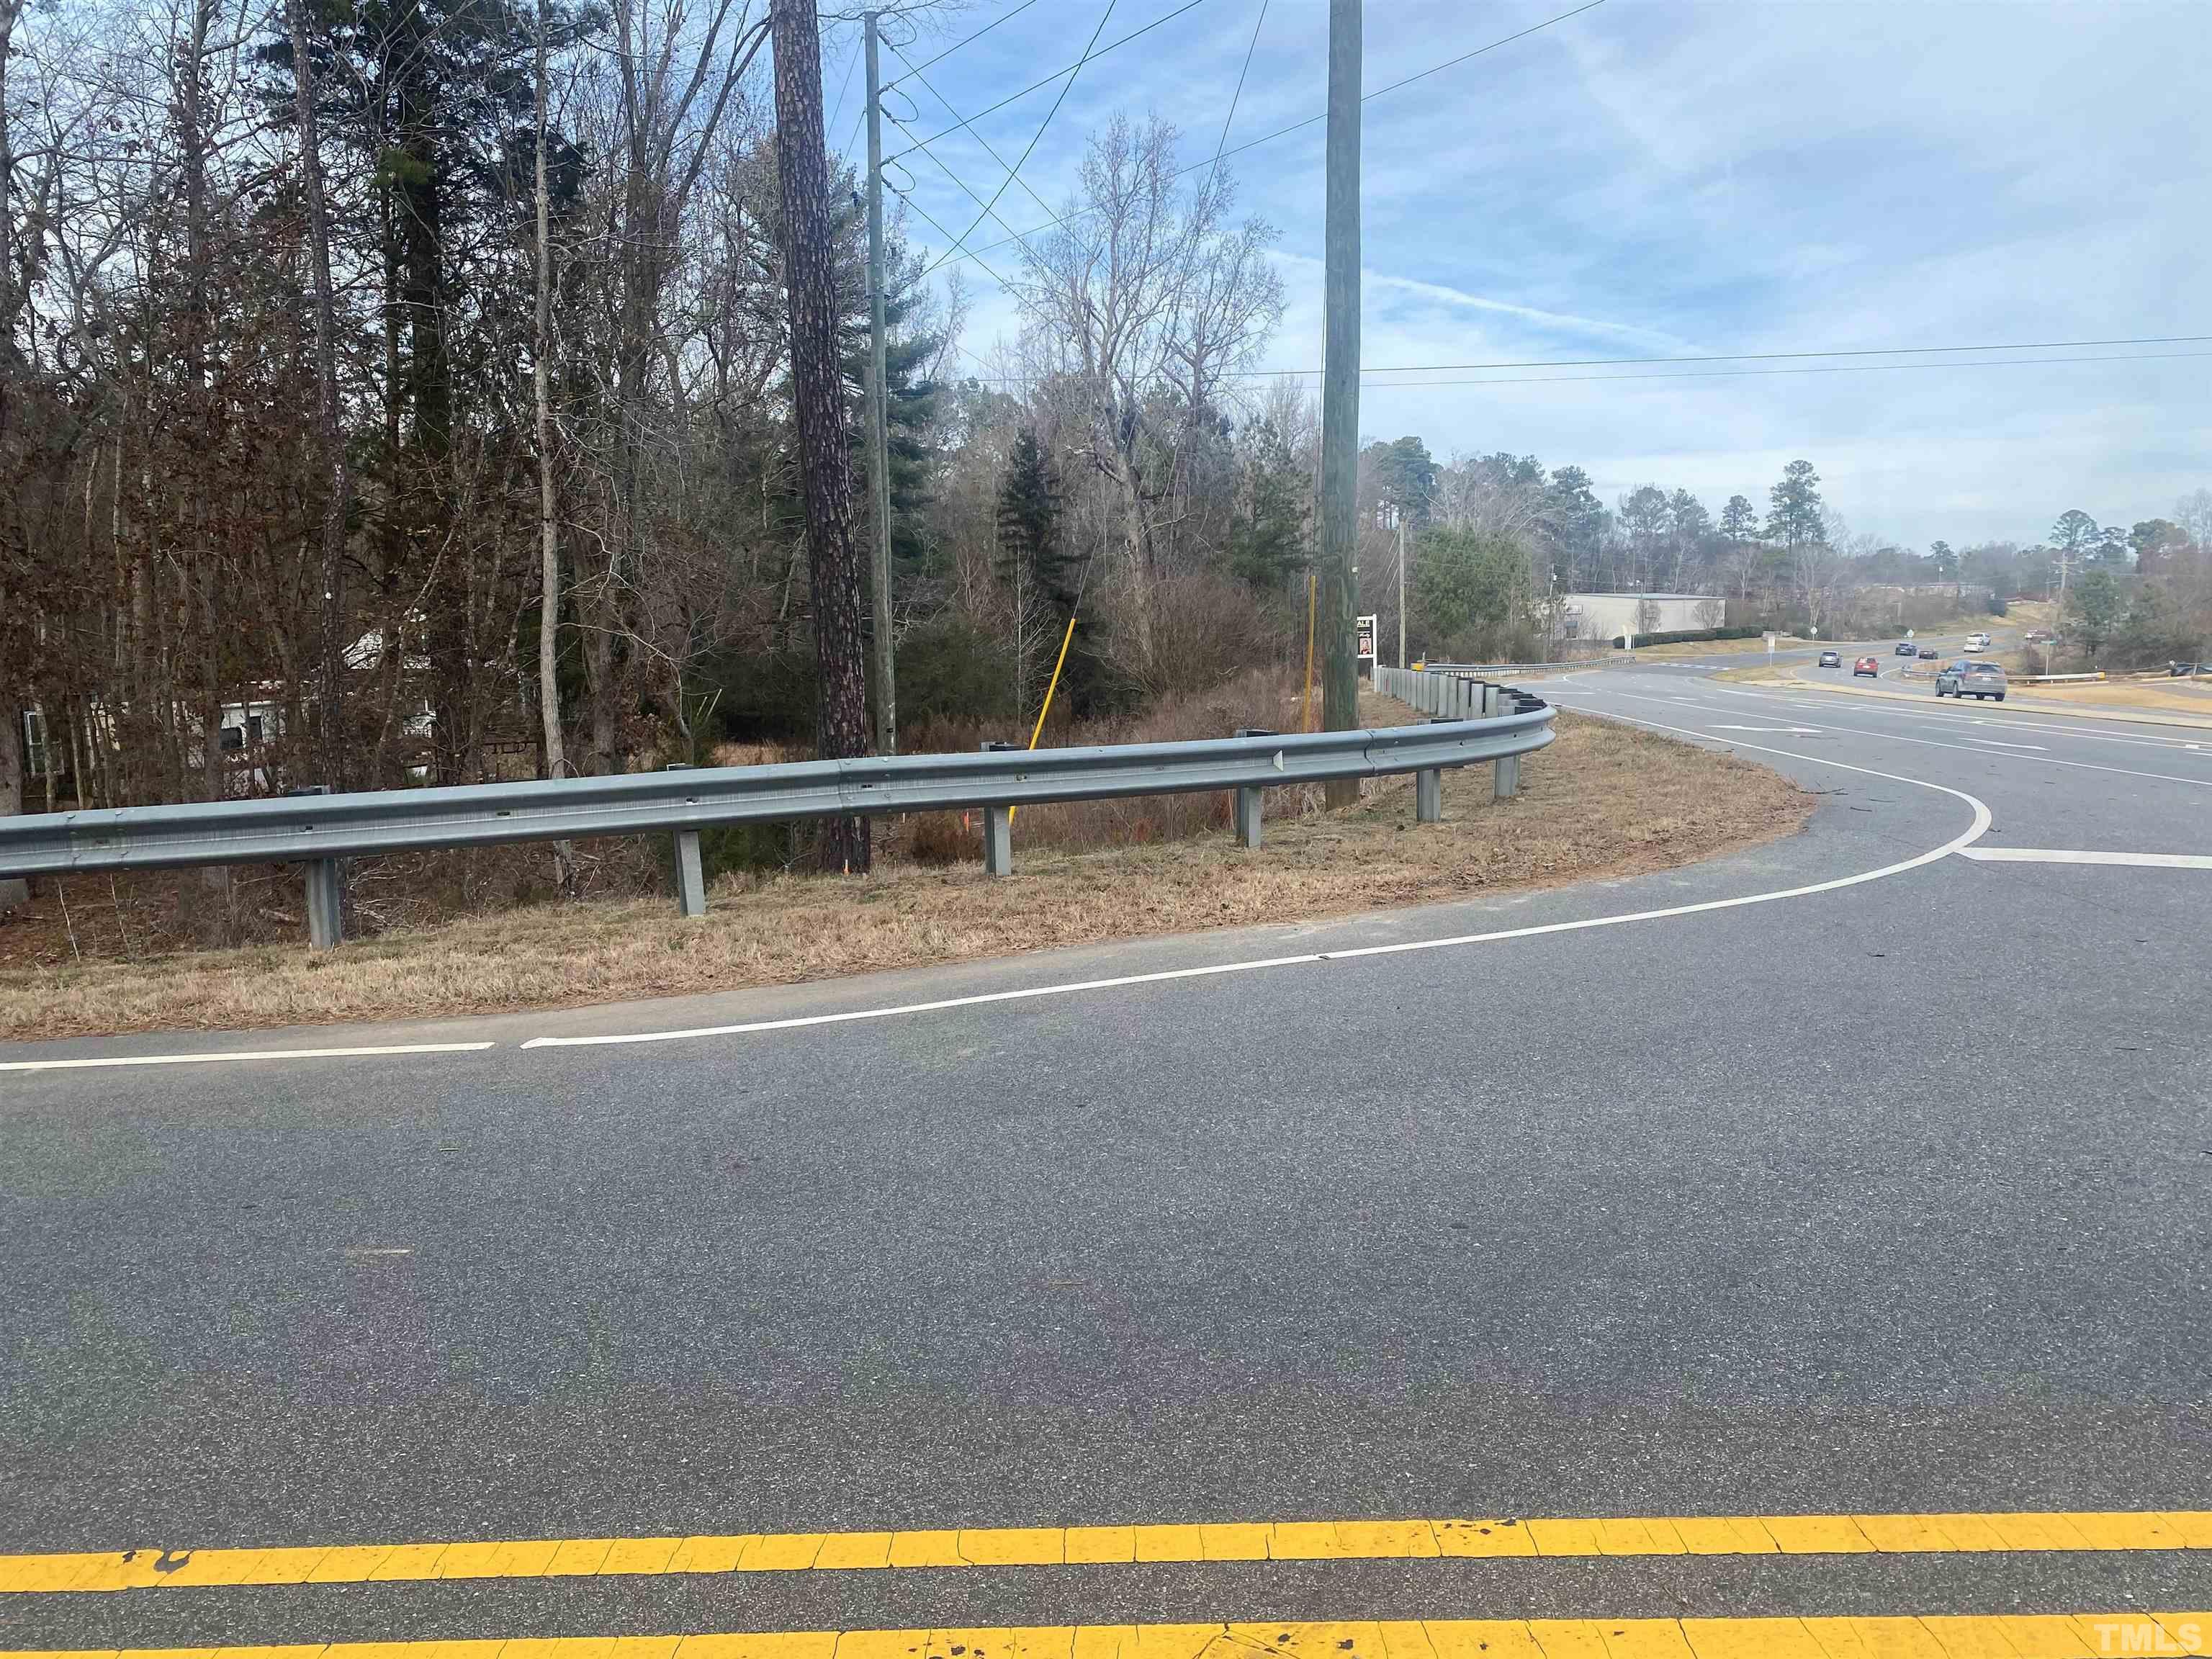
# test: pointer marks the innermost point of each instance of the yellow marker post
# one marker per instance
(1037, 731)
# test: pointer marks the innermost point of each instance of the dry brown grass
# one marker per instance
(1602, 800)
(2176, 696)
(1681, 650)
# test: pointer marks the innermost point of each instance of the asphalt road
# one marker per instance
(1858, 1174)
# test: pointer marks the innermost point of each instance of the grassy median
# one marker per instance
(1603, 800)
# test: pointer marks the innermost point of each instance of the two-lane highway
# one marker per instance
(1828, 1222)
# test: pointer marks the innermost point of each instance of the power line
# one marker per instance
(1735, 357)
(941, 231)
(842, 86)
(962, 184)
(916, 69)
(1236, 97)
(1297, 126)
(1070, 70)
(1827, 368)
(1088, 52)
(979, 138)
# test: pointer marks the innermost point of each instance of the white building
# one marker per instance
(1603, 616)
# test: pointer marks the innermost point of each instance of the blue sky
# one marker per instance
(1648, 180)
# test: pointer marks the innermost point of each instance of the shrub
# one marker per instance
(1689, 635)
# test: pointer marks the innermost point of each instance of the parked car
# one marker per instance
(1927, 654)
(1905, 648)
(1972, 679)
(1832, 659)
(1868, 666)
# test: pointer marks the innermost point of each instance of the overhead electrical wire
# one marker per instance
(916, 69)
(942, 231)
(979, 138)
(960, 184)
(1824, 369)
(1237, 97)
(1070, 70)
(1297, 126)
(1088, 52)
(1744, 357)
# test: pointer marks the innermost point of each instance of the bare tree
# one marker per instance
(1144, 302)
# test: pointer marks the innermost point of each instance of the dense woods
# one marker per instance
(403, 391)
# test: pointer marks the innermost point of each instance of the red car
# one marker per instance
(1870, 666)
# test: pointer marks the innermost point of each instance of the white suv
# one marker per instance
(1978, 641)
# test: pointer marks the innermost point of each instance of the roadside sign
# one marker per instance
(1366, 630)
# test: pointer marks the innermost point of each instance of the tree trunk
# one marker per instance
(13, 890)
(331, 732)
(825, 465)
(548, 531)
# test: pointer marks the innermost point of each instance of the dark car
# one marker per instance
(1867, 666)
(2175, 671)
(1927, 654)
(1906, 649)
(1976, 680)
(1832, 659)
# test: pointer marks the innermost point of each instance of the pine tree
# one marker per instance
(1269, 540)
(1029, 550)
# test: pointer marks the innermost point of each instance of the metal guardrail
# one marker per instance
(319, 829)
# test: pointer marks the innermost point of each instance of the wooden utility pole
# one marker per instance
(1339, 393)
(825, 467)
(879, 474)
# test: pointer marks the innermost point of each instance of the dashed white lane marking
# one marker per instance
(214, 1055)
(2028, 719)
(1777, 730)
(1972, 833)
(1998, 743)
(1930, 743)
(2065, 855)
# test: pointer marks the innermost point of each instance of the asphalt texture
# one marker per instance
(1888, 1197)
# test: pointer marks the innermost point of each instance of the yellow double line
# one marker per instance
(2049, 1636)
(1026, 1546)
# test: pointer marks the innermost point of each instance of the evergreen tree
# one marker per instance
(1792, 518)
(1030, 555)
(1268, 541)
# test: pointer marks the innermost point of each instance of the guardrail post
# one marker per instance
(691, 872)
(325, 904)
(326, 882)
(1429, 796)
(1245, 809)
(1505, 778)
(998, 828)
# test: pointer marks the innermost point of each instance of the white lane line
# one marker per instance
(1775, 731)
(2027, 720)
(241, 1054)
(1024, 994)
(2065, 855)
(1964, 749)
(1979, 826)
(1999, 742)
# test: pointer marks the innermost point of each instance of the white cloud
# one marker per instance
(1746, 177)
